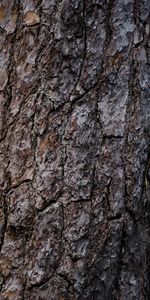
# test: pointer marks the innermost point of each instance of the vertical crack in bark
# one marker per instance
(120, 264)
(128, 210)
(40, 284)
(5, 210)
(147, 271)
(145, 180)
(64, 162)
(136, 7)
(25, 275)
(34, 139)
(61, 241)
(85, 42)
(8, 88)
(85, 46)
(27, 234)
(39, 5)
(109, 28)
(101, 78)
(8, 95)
(93, 182)
(132, 104)
(108, 202)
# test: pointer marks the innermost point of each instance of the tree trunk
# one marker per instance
(74, 151)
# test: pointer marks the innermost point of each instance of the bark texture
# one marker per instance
(74, 150)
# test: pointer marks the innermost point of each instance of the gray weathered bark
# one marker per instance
(74, 151)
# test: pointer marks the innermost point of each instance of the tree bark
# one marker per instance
(74, 151)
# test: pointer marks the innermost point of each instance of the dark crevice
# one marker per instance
(112, 137)
(34, 140)
(85, 38)
(8, 87)
(126, 196)
(131, 213)
(20, 183)
(135, 217)
(146, 179)
(107, 199)
(75, 99)
(93, 182)
(25, 275)
(147, 271)
(146, 172)
(109, 26)
(49, 202)
(65, 157)
(116, 217)
(4, 228)
(136, 10)
(47, 205)
(85, 47)
(120, 264)
(15, 186)
(24, 290)
(61, 240)
(101, 78)
(132, 88)
(40, 284)
(70, 105)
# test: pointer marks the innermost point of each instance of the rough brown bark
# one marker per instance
(74, 151)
